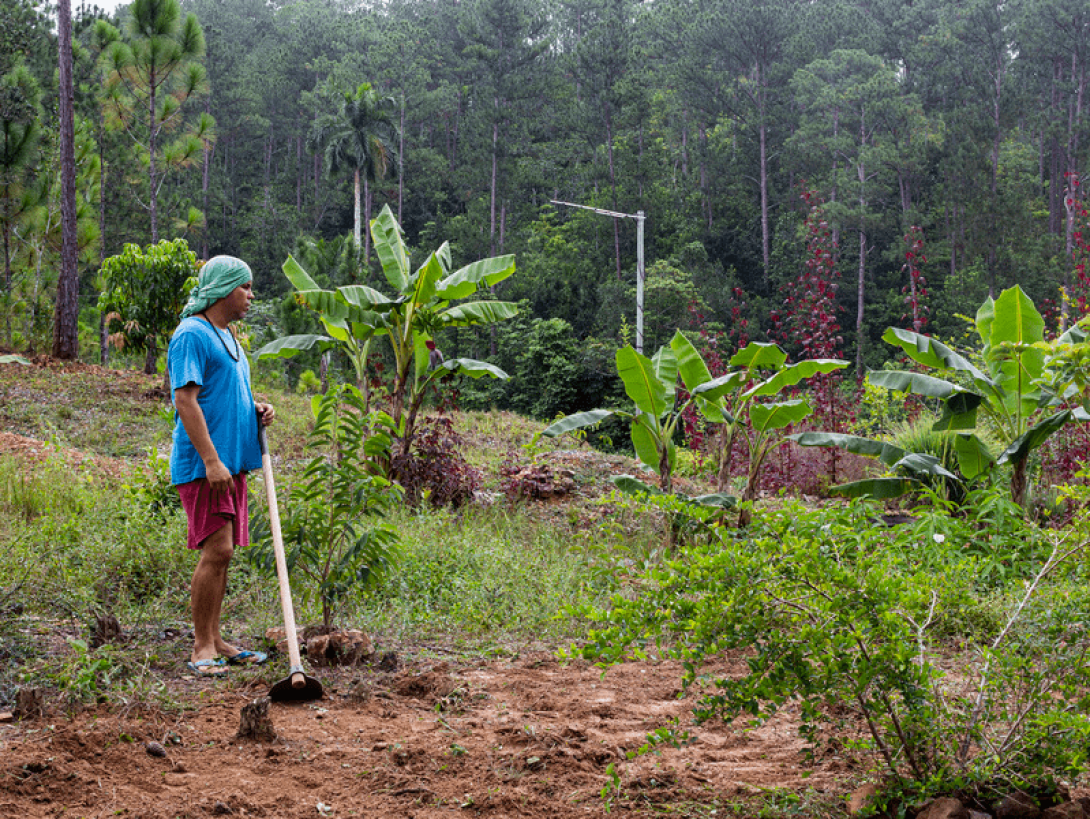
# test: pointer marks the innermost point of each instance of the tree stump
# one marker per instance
(255, 723)
(29, 703)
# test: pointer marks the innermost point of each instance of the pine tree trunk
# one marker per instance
(65, 317)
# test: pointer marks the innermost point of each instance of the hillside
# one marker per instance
(424, 727)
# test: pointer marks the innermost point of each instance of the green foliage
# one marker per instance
(730, 400)
(1019, 399)
(426, 302)
(143, 291)
(329, 534)
(839, 616)
(150, 73)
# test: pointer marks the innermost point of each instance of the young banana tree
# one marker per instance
(762, 373)
(652, 386)
(425, 302)
(1009, 397)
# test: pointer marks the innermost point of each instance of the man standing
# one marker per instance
(215, 445)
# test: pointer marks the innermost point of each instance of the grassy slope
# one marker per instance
(78, 508)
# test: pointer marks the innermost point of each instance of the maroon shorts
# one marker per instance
(208, 511)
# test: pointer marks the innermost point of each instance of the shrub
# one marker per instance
(838, 615)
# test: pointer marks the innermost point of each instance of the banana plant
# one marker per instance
(651, 384)
(762, 373)
(1009, 395)
(426, 301)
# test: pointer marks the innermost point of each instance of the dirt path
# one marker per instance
(528, 737)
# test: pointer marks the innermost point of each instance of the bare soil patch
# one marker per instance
(527, 736)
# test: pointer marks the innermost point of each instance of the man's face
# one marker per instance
(238, 301)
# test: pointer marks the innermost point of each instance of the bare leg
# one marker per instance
(206, 595)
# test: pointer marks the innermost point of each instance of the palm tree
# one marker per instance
(360, 138)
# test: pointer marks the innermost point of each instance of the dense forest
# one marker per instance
(951, 131)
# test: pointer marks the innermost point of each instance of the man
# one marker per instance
(215, 445)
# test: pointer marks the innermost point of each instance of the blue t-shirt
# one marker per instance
(198, 354)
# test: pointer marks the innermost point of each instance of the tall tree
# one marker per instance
(66, 309)
(20, 104)
(506, 43)
(152, 74)
(849, 98)
(359, 138)
(735, 64)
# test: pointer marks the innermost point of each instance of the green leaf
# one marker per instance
(759, 354)
(930, 353)
(424, 281)
(665, 363)
(877, 488)
(367, 298)
(14, 359)
(1016, 364)
(915, 383)
(792, 375)
(973, 456)
(641, 382)
(690, 364)
(298, 277)
(576, 421)
(390, 249)
(886, 453)
(634, 486)
(289, 346)
(724, 384)
(467, 281)
(478, 312)
(646, 440)
(777, 416)
(474, 368)
(920, 463)
(716, 499)
(1036, 435)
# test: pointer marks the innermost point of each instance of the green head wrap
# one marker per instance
(218, 277)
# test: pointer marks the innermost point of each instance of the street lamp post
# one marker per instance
(639, 217)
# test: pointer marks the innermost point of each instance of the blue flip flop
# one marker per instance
(248, 658)
(208, 668)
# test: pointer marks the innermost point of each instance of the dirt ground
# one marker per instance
(528, 737)
(523, 736)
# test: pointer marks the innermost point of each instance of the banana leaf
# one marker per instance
(641, 381)
(390, 249)
(973, 456)
(290, 346)
(878, 488)
(930, 353)
(468, 280)
(690, 365)
(1033, 437)
(777, 416)
(577, 421)
(477, 312)
(759, 354)
(793, 374)
(857, 445)
(915, 383)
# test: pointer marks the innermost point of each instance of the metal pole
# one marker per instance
(639, 217)
(639, 281)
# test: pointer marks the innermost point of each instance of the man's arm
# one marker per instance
(192, 417)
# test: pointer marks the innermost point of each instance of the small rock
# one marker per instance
(1018, 805)
(944, 808)
(389, 662)
(6, 716)
(1065, 810)
(153, 748)
(221, 809)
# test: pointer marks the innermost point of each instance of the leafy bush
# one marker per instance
(434, 469)
(326, 536)
(839, 615)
